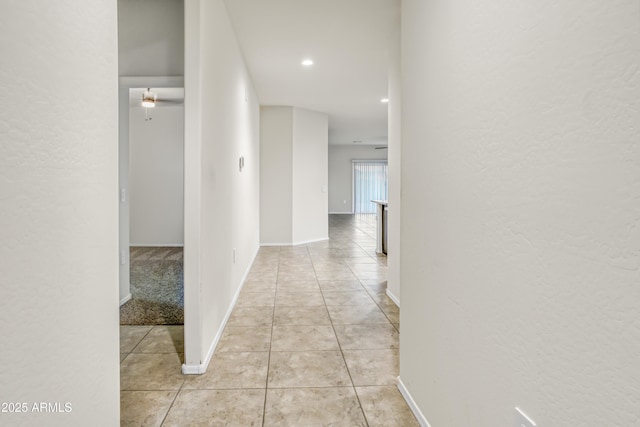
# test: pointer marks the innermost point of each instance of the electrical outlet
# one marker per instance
(123, 257)
(344, 202)
(234, 255)
(522, 420)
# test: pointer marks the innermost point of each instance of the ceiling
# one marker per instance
(349, 42)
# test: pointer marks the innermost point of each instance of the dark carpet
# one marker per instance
(157, 287)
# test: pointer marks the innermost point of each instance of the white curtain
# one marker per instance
(369, 183)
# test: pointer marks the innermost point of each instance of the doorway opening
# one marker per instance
(370, 182)
(152, 187)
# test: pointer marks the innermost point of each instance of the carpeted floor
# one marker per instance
(157, 288)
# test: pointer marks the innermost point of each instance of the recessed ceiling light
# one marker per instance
(307, 63)
(384, 100)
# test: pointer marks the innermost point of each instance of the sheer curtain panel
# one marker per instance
(369, 183)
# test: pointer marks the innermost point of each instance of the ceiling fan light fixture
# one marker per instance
(148, 99)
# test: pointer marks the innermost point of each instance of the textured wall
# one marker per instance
(520, 211)
(58, 212)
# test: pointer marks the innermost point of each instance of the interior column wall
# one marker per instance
(59, 230)
(276, 174)
(310, 189)
(520, 211)
(221, 201)
(294, 176)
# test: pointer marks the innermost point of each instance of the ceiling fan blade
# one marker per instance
(170, 101)
(380, 148)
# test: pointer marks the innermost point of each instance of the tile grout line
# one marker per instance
(340, 348)
(177, 391)
(172, 403)
(273, 313)
(369, 295)
(366, 290)
(136, 346)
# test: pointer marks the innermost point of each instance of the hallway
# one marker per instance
(313, 340)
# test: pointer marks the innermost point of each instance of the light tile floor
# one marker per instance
(313, 340)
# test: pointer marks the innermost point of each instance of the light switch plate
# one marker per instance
(522, 420)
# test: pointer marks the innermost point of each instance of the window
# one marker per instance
(369, 183)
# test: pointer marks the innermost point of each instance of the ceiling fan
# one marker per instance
(150, 99)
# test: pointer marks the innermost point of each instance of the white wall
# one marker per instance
(293, 186)
(151, 37)
(395, 176)
(310, 176)
(59, 228)
(221, 203)
(276, 172)
(520, 211)
(341, 173)
(156, 168)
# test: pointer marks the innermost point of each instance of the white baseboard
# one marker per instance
(422, 420)
(304, 242)
(202, 367)
(194, 369)
(125, 299)
(393, 297)
(156, 245)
